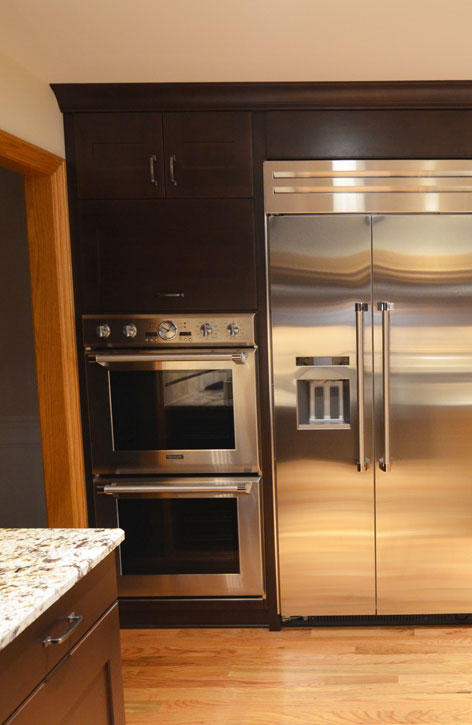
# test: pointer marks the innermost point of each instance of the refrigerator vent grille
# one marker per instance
(369, 187)
(385, 620)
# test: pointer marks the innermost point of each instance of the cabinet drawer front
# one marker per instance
(86, 687)
(179, 254)
(25, 661)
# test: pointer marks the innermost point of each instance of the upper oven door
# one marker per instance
(153, 412)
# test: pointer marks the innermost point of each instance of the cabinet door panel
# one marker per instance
(119, 155)
(85, 687)
(208, 154)
(145, 256)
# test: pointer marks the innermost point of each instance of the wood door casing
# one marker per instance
(54, 331)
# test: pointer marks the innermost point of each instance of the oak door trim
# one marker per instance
(54, 327)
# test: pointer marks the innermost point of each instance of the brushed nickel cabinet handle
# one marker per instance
(172, 160)
(385, 308)
(152, 161)
(75, 620)
(360, 307)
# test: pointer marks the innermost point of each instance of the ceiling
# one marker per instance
(238, 40)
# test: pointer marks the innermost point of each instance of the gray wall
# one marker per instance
(22, 500)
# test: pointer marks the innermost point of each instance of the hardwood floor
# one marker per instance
(298, 676)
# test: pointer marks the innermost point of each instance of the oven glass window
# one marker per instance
(172, 410)
(179, 536)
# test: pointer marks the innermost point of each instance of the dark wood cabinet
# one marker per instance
(163, 218)
(123, 155)
(208, 155)
(174, 254)
(84, 686)
(78, 680)
(119, 155)
(358, 134)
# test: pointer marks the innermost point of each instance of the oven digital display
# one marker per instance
(185, 334)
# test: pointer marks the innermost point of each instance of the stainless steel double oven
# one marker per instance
(174, 441)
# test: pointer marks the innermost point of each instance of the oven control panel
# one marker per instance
(167, 330)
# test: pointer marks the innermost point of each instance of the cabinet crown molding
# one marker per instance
(90, 97)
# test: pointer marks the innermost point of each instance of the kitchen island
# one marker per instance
(59, 630)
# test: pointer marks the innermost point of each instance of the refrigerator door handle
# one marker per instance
(385, 308)
(360, 307)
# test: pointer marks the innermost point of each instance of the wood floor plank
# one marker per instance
(396, 676)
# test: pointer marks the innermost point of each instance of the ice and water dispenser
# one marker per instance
(324, 393)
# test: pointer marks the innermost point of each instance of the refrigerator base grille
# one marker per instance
(380, 620)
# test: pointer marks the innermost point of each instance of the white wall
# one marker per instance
(86, 41)
(28, 107)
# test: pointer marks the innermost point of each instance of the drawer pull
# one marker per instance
(172, 160)
(75, 620)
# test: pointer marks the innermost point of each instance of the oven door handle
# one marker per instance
(240, 358)
(113, 489)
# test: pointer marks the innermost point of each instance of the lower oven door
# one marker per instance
(185, 537)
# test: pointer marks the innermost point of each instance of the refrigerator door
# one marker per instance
(423, 407)
(320, 290)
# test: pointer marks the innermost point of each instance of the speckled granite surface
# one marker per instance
(37, 566)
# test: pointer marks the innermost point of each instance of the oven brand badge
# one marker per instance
(174, 457)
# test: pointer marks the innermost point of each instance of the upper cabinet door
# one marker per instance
(119, 155)
(208, 155)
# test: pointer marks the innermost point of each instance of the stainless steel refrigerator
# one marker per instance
(370, 293)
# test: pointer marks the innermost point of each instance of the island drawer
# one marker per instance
(26, 660)
(85, 687)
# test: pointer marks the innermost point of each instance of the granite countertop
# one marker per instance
(37, 566)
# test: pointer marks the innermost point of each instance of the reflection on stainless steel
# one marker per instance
(369, 187)
(402, 168)
(424, 505)
(325, 509)
(417, 359)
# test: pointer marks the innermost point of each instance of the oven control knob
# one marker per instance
(206, 329)
(233, 329)
(167, 330)
(103, 331)
(130, 330)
